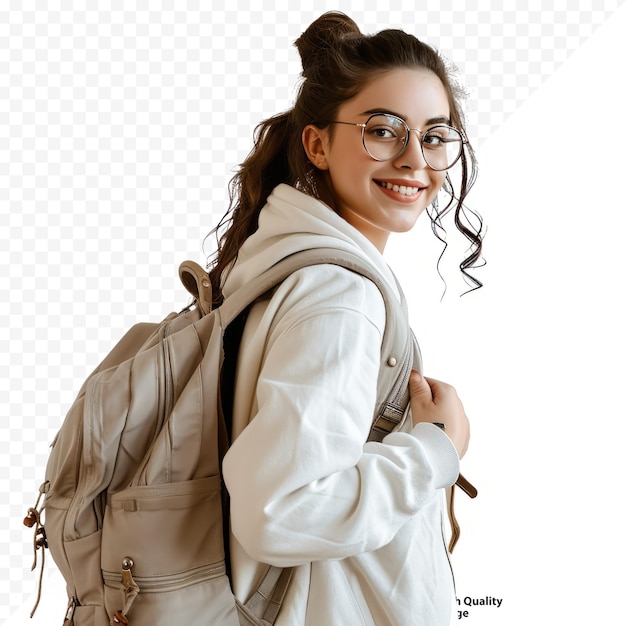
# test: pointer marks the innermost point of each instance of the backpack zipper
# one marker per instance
(169, 582)
(69, 615)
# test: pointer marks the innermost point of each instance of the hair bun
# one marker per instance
(322, 35)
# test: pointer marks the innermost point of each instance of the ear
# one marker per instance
(315, 141)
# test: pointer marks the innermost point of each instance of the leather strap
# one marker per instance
(197, 282)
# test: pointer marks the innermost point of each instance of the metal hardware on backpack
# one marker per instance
(133, 492)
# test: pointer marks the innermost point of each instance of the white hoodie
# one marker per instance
(362, 522)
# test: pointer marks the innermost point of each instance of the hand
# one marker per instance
(434, 401)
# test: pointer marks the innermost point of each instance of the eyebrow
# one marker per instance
(442, 119)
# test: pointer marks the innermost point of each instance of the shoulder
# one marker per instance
(328, 289)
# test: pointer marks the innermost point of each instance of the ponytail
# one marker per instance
(265, 167)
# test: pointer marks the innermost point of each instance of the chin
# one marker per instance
(407, 225)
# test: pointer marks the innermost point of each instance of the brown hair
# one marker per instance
(337, 61)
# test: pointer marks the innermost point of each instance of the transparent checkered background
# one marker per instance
(120, 125)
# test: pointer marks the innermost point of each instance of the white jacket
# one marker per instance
(361, 521)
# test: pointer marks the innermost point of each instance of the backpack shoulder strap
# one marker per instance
(240, 299)
(399, 352)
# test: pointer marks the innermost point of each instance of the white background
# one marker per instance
(114, 167)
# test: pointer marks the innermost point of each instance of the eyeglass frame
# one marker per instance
(362, 126)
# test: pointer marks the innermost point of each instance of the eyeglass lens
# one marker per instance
(385, 137)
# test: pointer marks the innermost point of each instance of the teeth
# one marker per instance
(402, 189)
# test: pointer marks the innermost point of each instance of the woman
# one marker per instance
(364, 151)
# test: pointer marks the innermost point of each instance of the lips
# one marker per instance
(404, 188)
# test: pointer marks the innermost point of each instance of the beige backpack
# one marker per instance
(132, 497)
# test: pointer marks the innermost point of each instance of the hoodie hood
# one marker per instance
(292, 221)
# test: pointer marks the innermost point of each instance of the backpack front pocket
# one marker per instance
(169, 537)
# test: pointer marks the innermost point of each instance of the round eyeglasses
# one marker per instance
(386, 136)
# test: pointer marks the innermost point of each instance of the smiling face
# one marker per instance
(380, 197)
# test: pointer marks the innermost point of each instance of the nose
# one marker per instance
(412, 157)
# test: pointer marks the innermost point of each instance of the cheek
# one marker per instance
(439, 179)
(437, 183)
(350, 172)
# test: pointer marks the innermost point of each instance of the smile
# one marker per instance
(401, 189)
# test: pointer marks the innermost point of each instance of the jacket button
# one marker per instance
(392, 361)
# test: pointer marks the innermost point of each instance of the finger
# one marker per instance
(439, 390)
(434, 387)
(418, 386)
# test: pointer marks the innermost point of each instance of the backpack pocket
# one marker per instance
(169, 538)
(79, 559)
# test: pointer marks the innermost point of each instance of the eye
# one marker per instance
(382, 132)
(435, 138)
(439, 136)
(385, 129)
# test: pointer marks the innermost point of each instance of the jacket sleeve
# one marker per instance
(303, 484)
